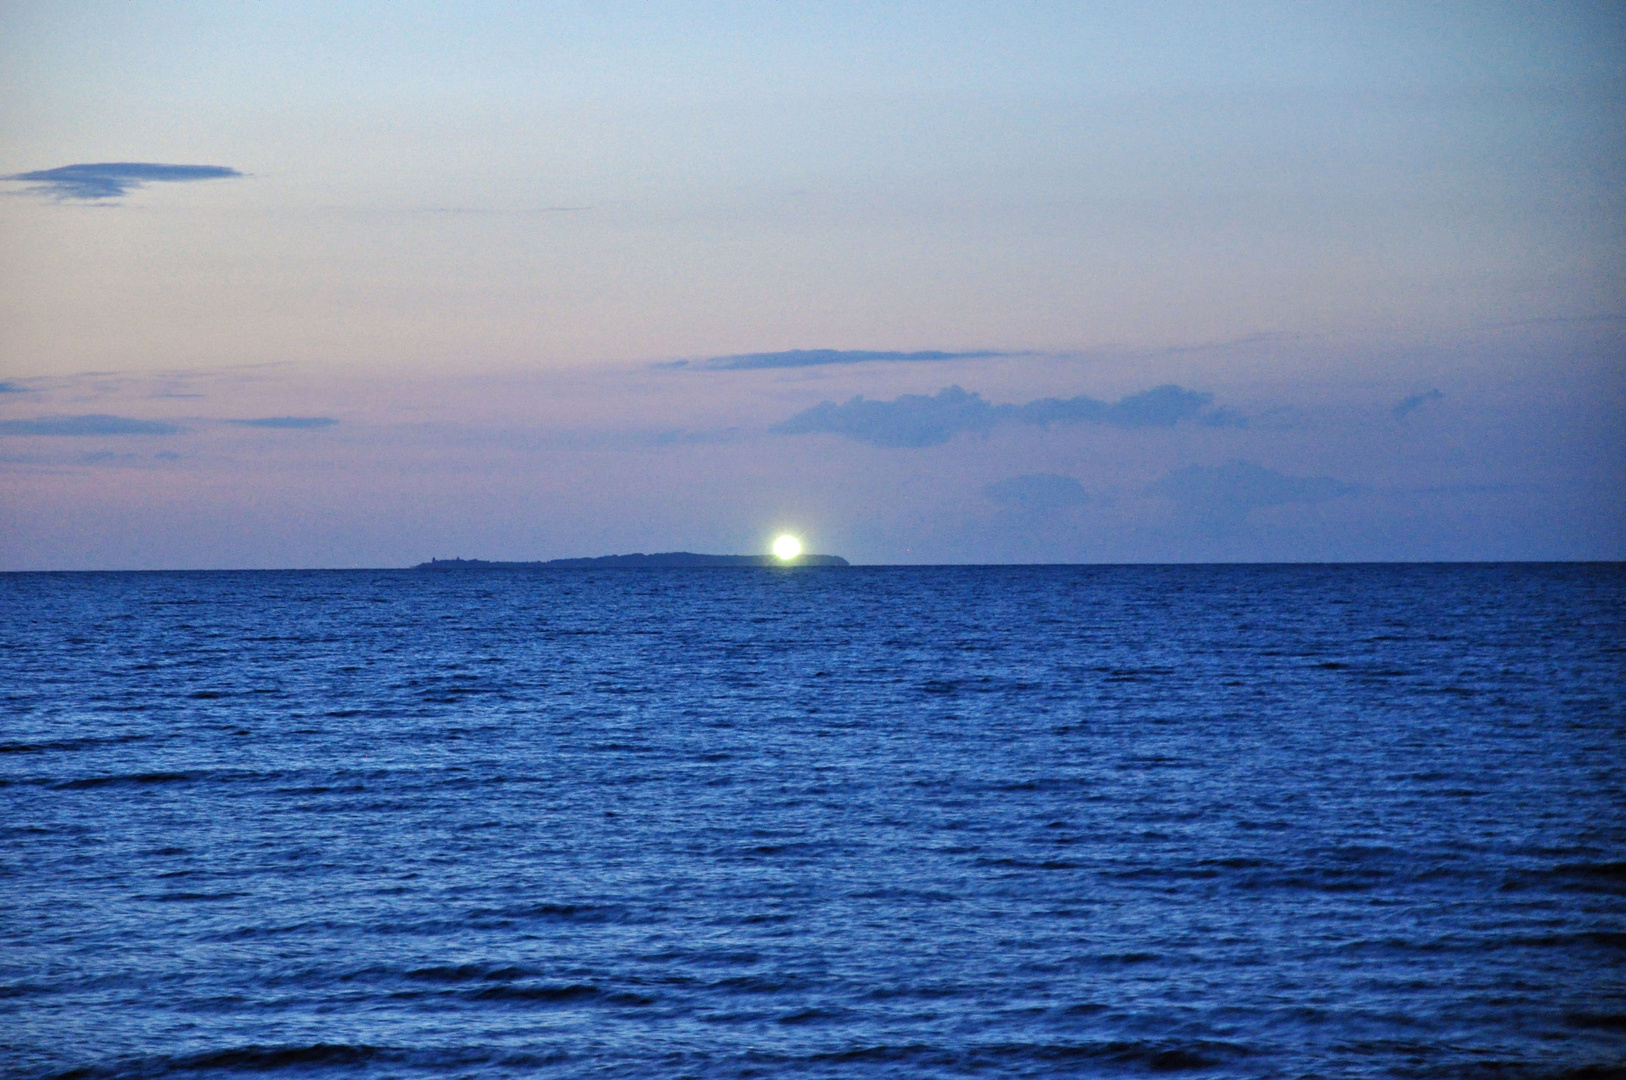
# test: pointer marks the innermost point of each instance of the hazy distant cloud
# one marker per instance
(918, 420)
(795, 358)
(92, 424)
(297, 422)
(1037, 491)
(105, 457)
(1558, 320)
(1416, 401)
(1226, 493)
(911, 420)
(12, 388)
(500, 210)
(111, 179)
(1161, 406)
(1222, 418)
(681, 437)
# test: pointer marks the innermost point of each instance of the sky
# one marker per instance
(347, 284)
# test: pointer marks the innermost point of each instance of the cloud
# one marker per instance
(296, 422)
(918, 420)
(1161, 406)
(681, 437)
(111, 179)
(1222, 418)
(1038, 492)
(797, 358)
(1226, 493)
(1416, 401)
(910, 420)
(93, 424)
(12, 388)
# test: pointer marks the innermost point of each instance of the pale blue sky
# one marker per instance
(479, 238)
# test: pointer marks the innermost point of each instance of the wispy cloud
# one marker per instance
(681, 437)
(1037, 492)
(1225, 494)
(293, 422)
(88, 425)
(501, 211)
(798, 358)
(12, 388)
(112, 179)
(1416, 401)
(919, 420)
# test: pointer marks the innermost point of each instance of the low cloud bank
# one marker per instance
(111, 179)
(918, 420)
(92, 424)
(1226, 493)
(293, 422)
(796, 358)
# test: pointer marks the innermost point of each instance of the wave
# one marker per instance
(132, 778)
(308, 1059)
(235, 1059)
(1152, 1055)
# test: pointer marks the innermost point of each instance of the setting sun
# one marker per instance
(787, 547)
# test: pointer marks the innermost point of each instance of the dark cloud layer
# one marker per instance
(1416, 401)
(1226, 493)
(294, 422)
(919, 420)
(111, 179)
(796, 358)
(1037, 492)
(91, 424)
(12, 388)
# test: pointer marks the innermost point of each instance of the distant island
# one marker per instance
(664, 558)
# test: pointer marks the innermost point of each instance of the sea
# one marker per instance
(1004, 821)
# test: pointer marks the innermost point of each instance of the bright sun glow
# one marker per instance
(787, 547)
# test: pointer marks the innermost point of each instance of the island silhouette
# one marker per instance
(663, 558)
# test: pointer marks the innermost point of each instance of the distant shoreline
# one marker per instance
(659, 559)
(833, 561)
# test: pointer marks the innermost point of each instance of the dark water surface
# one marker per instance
(1047, 821)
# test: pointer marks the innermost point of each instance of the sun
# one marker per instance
(787, 547)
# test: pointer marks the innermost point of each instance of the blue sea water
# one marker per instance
(916, 822)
